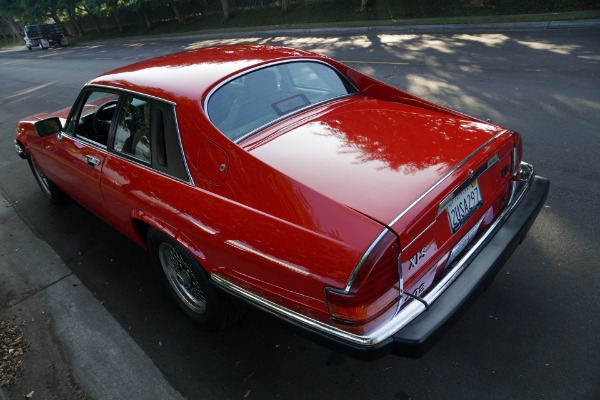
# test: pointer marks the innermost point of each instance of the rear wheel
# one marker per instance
(188, 283)
(49, 189)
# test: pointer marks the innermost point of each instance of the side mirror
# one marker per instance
(47, 127)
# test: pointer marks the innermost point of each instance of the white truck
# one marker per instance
(45, 35)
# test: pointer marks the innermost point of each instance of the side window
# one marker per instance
(93, 118)
(167, 153)
(146, 130)
(132, 133)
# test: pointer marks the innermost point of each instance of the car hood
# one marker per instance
(374, 156)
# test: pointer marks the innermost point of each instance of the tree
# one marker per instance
(284, 6)
(7, 21)
(146, 7)
(93, 8)
(225, 5)
(363, 5)
(70, 9)
(113, 8)
(8, 9)
(177, 10)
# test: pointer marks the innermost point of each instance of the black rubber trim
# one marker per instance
(415, 339)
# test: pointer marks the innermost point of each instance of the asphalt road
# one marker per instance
(533, 334)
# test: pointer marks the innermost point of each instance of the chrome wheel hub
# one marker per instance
(182, 278)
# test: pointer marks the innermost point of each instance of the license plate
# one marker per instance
(463, 206)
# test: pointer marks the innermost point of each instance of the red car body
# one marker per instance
(333, 215)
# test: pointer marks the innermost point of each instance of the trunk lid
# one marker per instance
(397, 164)
(374, 156)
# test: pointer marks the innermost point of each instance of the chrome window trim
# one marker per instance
(297, 111)
(187, 170)
(125, 158)
(87, 141)
(118, 89)
(413, 308)
(190, 180)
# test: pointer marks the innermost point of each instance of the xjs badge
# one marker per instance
(414, 260)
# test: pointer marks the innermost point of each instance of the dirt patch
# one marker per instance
(12, 349)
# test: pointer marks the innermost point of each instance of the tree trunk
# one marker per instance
(55, 17)
(118, 19)
(147, 11)
(15, 32)
(96, 23)
(225, 5)
(2, 31)
(75, 24)
(363, 5)
(177, 11)
(284, 6)
(94, 19)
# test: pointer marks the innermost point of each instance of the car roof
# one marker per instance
(189, 75)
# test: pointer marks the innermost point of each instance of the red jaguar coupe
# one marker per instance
(263, 175)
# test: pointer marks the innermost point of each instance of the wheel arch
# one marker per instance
(24, 153)
(143, 223)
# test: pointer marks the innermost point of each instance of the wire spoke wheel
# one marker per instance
(42, 180)
(189, 283)
(49, 189)
(182, 278)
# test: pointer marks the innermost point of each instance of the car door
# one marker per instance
(74, 158)
(144, 171)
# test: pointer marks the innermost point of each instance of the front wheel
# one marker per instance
(49, 189)
(188, 283)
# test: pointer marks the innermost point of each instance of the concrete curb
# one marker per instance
(442, 27)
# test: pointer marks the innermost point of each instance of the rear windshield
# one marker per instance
(265, 95)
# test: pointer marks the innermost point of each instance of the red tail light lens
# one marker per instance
(517, 152)
(375, 288)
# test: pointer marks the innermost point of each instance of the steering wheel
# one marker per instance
(99, 125)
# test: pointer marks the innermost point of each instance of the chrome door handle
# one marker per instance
(92, 161)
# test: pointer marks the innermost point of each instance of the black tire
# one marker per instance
(189, 284)
(49, 189)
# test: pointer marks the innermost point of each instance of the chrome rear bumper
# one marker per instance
(416, 326)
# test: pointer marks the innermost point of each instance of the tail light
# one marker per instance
(375, 288)
(517, 154)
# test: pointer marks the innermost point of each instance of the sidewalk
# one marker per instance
(77, 350)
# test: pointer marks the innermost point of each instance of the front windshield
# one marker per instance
(262, 96)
